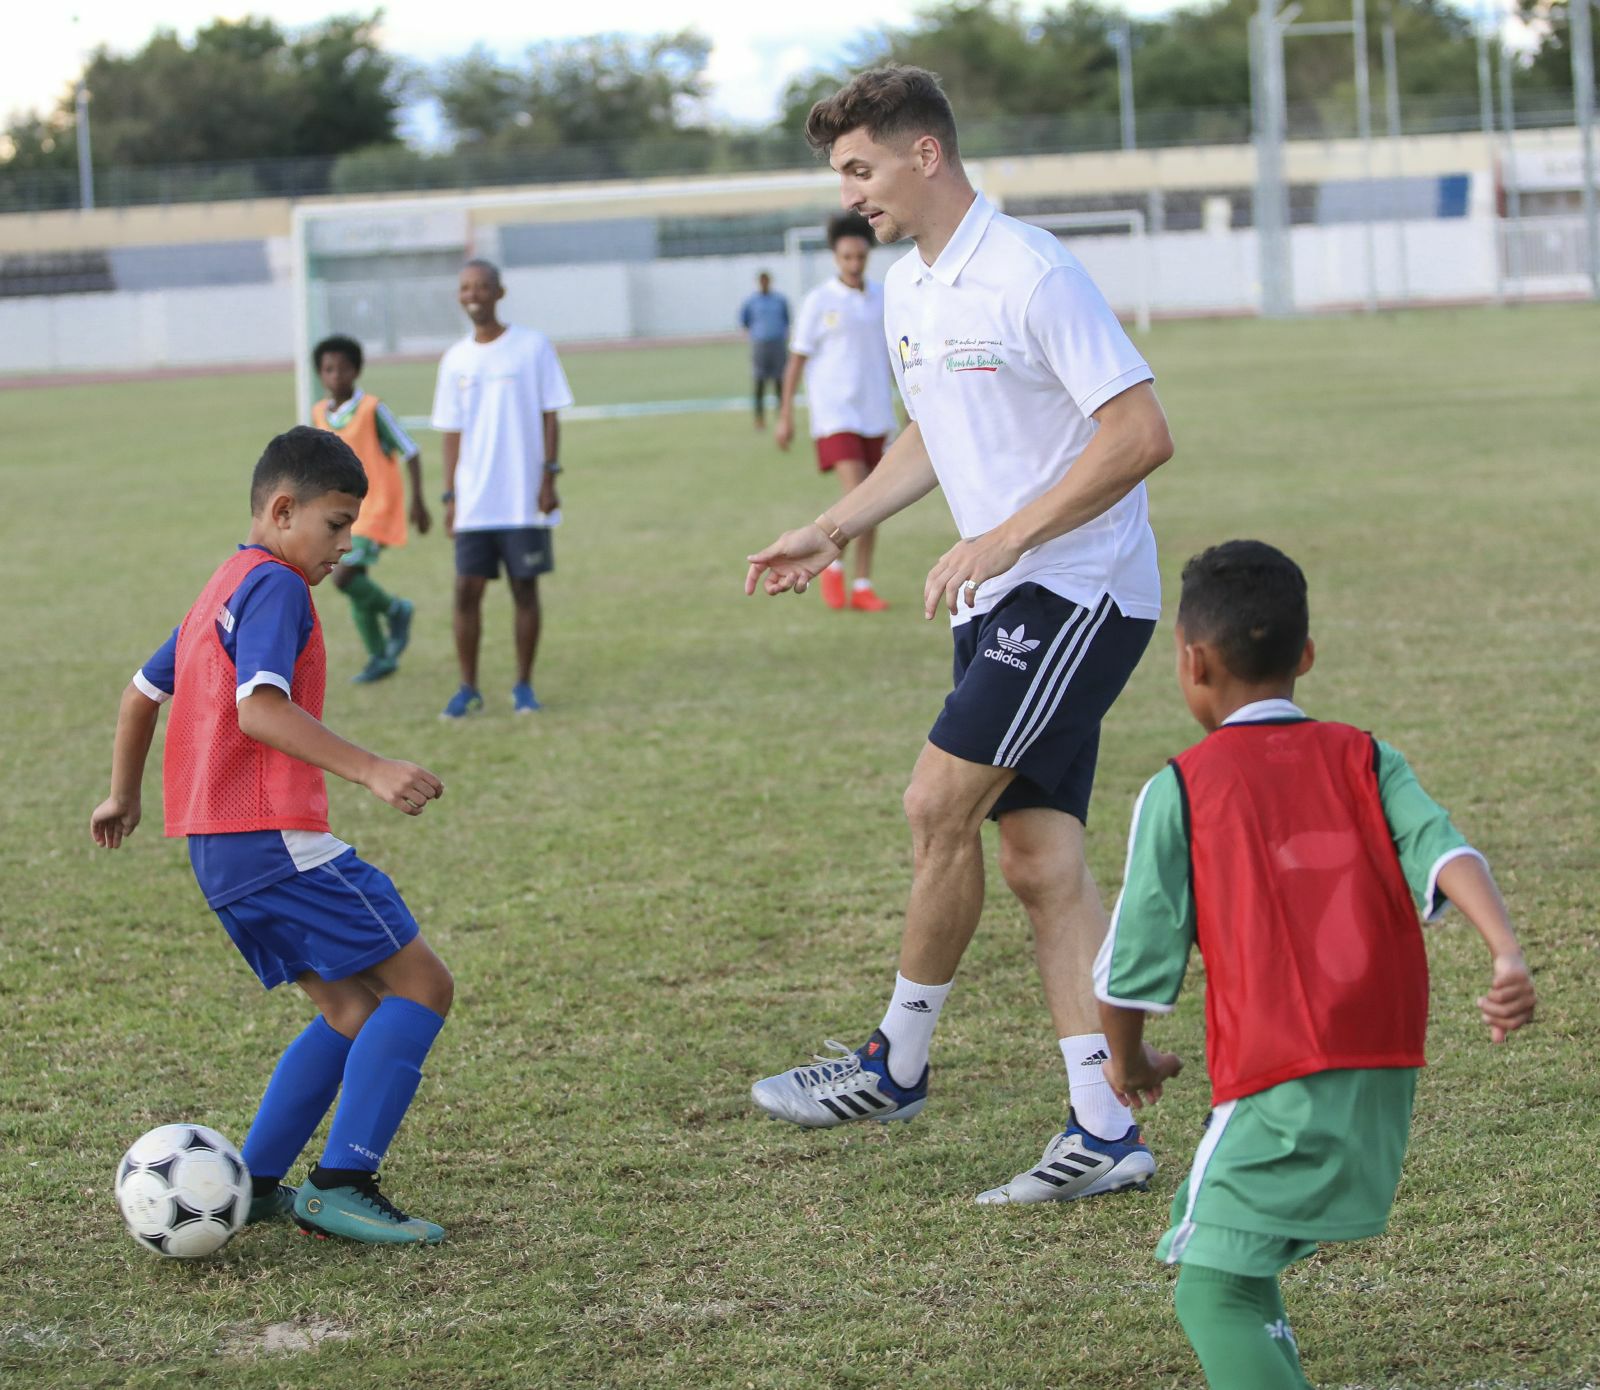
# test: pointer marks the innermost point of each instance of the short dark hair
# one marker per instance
(309, 462)
(488, 267)
(890, 103)
(849, 224)
(339, 343)
(1248, 600)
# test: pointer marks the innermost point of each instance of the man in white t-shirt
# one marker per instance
(1036, 415)
(495, 403)
(838, 344)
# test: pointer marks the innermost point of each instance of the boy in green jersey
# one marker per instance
(1296, 855)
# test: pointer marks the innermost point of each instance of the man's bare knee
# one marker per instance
(469, 592)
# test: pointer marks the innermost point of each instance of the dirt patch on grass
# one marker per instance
(281, 1338)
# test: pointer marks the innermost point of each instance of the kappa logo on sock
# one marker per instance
(1280, 1331)
(1096, 1057)
(917, 1006)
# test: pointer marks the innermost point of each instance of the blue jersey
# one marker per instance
(766, 316)
(270, 624)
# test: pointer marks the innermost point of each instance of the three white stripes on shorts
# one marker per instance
(1050, 681)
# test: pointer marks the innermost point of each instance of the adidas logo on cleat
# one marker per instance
(874, 1048)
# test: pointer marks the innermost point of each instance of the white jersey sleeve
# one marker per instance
(1070, 326)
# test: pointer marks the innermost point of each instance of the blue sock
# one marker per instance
(302, 1088)
(382, 1074)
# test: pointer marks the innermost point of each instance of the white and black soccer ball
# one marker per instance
(184, 1191)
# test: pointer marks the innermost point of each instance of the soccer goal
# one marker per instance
(611, 262)
(1124, 277)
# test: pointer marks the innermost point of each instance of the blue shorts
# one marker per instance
(526, 552)
(1034, 677)
(335, 920)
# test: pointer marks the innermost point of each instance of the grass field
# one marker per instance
(689, 870)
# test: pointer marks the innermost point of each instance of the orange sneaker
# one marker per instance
(867, 601)
(833, 587)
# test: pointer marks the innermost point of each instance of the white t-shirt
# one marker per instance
(496, 394)
(849, 389)
(1003, 349)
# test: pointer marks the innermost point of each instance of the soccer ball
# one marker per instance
(184, 1191)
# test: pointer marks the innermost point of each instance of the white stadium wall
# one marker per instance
(1187, 273)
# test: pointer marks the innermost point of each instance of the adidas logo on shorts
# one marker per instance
(1012, 646)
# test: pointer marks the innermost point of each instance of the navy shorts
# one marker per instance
(1034, 677)
(335, 920)
(526, 552)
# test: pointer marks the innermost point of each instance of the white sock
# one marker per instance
(908, 1024)
(837, 565)
(861, 584)
(1097, 1108)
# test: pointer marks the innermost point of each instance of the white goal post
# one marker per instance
(799, 242)
(385, 268)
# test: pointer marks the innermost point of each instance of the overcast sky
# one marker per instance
(757, 47)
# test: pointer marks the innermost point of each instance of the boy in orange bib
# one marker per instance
(243, 776)
(368, 426)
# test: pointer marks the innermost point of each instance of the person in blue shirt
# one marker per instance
(765, 316)
(243, 779)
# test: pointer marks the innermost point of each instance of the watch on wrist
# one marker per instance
(448, 496)
(552, 467)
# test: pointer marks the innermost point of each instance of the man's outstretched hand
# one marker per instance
(791, 562)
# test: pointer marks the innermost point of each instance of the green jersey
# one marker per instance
(1316, 1158)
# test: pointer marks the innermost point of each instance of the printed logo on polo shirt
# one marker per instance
(910, 353)
(831, 319)
(1012, 646)
(973, 355)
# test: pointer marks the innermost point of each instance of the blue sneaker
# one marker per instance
(523, 700)
(835, 1090)
(399, 616)
(1078, 1164)
(464, 702)
(379, 668)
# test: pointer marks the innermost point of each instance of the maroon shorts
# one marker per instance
(841, 448)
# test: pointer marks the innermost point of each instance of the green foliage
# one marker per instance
(690, 869)
(607, 89)
(240, 90)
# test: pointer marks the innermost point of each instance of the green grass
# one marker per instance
(690, 870)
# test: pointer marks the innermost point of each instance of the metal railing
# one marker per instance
(400, 169)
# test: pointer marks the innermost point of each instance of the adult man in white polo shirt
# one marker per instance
(838, 344)
(495, 403)
(1036, 415)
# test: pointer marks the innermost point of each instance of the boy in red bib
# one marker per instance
(243, 779)
(1296, 855)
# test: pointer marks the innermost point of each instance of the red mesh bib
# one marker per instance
(1313, 951)
(218, 781)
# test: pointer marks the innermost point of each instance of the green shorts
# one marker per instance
(363, 553)
(1277, 1172)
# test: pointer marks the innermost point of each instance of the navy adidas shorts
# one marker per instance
(525, 551)
(335, 920)
(1034, 677)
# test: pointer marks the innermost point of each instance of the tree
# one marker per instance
(239, 90)
(607, 89)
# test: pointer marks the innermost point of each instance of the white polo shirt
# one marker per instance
(496, 394)
(849, 389)
(1003, 349)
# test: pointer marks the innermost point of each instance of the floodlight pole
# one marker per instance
(1583, 109)
(85, 165)
(1358, 34)
(1486, 121)
(1391, 102)
(1275, 266)
(1121, 39)
(1508, 118)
